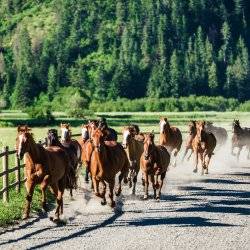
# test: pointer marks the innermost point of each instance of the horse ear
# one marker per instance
(18, 128)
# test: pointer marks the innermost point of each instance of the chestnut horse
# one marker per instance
(191, 136)
(86, 145)
(241, 138)
(170, 137)
(154, 162)
(42, 166)
(219, 133)
(204, 144)
(106, 162)
(53, 140)
(134, 150)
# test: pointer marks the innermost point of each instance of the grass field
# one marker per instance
(147, 122)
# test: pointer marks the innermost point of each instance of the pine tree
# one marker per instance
(52, 82)
(212, 78)
(175, 75)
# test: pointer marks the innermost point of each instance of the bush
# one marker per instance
(245, 107)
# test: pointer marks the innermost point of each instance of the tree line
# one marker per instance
(109, 49)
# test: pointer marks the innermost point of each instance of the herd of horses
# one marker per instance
(57, 163)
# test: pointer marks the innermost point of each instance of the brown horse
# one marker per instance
(241, 138)
(53, 140)
(154, 162)
(219, 133)
(42, 166)
(134, 150)
(191, 136)
(204, 144)
(106, 162)
(67, 141)
(170, 137)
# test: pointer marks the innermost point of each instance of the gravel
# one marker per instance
(195, 212)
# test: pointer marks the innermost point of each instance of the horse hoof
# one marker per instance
(25, 216)
(195, 170)
(157, 198)
(103, 203)
(112, 204)
(145, 197)
(118, 192)
(157, 185)
(125, 180)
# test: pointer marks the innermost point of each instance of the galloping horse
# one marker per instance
(67, 141)
(219, 133)
(170, 137)
(53, 140)
(106, 162)
(134, 150)
(154, 162)
(203, 144)
(86, 145)
(241, 138)
(189, 143)
(42, 166)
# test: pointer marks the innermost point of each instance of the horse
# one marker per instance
(53, 140)
(68, 142)
(192, 134)
(241, 138)
(47, 167)
(170, 137)
(154, 162)
(203, 144)
(219, 133)
(86, 145)
(106, 162)
(134, 150)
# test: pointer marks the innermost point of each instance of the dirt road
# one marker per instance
(196, 212)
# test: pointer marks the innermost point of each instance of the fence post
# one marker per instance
(6, 176)
(18, 174)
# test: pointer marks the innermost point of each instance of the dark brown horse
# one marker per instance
(241, 138)
(53, 140)
(42, 166)
(154, 162)
(170, 137)
(219, 133)
(191, 136)
(204, 144)
(106, 162)
(134, 150)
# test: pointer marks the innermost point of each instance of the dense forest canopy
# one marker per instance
(124, 48)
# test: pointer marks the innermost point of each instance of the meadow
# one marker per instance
(147, 121)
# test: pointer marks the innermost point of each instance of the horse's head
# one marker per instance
(163, 124)
(128, 133)
(85, 132)
(209, 125)
(200, 128)
(97, 139)
(66, 132)
(148, 145)
(23, 141)
(192, 128)
(92, 125)
(52, 137)
(236, 126)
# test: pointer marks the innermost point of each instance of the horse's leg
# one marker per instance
(135, 181)
(30, 185)
(44, 185)
(96, 186)
(146, 186)
(130, 178)
(196, 162)
(207, 162)
(152, 180)
(111, 183)
(103, 194)
(87, 172)
(238, 154)
(202, 157)
(190, 155)
(161, 184)
(232, 150)
(184, 155)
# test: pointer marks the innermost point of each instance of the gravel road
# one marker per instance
(196, 212)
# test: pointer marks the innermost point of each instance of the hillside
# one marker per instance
(124, 48)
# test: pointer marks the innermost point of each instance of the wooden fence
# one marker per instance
(8, 170)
